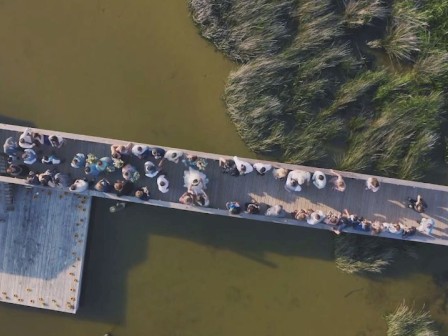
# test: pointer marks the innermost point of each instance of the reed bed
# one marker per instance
(245, 29)
(308, 79)
(402, 41)
(359, 13)
(407, 321)
(359, 254)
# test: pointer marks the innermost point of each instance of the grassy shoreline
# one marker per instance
(366, 75)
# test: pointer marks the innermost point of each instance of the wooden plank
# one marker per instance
(42, 247)
(385, 205)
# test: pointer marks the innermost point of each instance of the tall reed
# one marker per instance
(407, 321)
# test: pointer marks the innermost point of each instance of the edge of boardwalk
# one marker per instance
(224, 212)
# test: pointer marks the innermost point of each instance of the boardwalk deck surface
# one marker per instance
(387, 205)
(42, 245)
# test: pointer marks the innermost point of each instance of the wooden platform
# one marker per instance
(388, 204)
(42, 245)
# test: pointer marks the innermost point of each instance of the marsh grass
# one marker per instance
(358, 13)
(401, 141)
(245, 29)
(409, 322)
(361, 254)
(356, 90)
(402, 42)
(308, 80)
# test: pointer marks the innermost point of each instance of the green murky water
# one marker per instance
(138, 70)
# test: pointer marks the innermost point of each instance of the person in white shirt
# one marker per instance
(243, 166)
(29, 156)
(296, 179)
(316, 217)
(172, 155)
(262, 168)
(319, 179)
(141, 151)
(372, 184)
(426, 225)
(56, 141)
(26, 139)
(195, 181)
(150, 169)
(276, 211)
(163, 184)
(79, 186)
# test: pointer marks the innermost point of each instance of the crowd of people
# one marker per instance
(25, 153)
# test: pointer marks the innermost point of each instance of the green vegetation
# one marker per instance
(406, 321)
(361, 254)
(244, 30)
(367, 77)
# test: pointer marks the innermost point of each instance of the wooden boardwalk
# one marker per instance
(42, 245)
(387, 205)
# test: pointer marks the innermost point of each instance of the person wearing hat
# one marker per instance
(163, 184)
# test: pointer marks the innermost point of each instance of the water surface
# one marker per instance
(138, 70)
